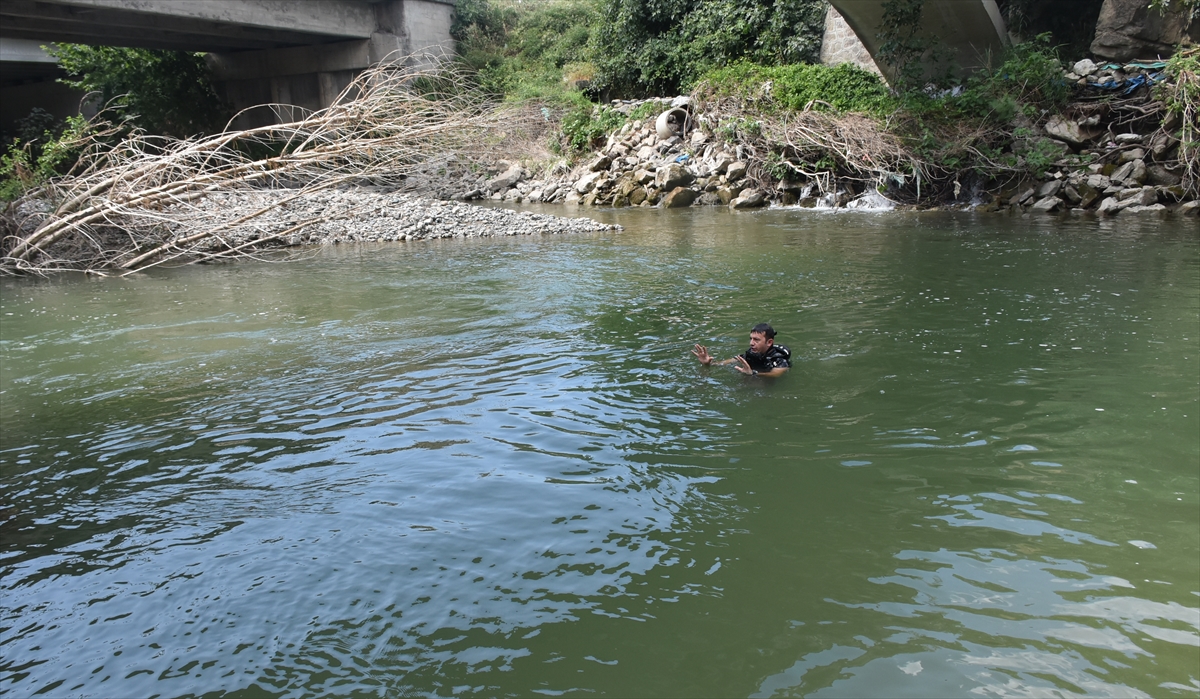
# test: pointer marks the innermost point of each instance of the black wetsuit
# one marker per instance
(776, 356)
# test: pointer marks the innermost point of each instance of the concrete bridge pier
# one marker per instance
(308, 78)
(970, 32)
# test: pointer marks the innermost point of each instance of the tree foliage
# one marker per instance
(643, 47)
(42, 149)
(163, 92)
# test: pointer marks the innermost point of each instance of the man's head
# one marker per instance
(762, 336)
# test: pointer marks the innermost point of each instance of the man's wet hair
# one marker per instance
(766, 330)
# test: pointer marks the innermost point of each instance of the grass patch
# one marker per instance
(844, 88)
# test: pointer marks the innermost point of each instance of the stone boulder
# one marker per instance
(1085, 67)
(672, 176)
(1133, 172)
(1129, 29)
(1087, 195)
(1152, 209)
(1109, 207)
(1068, 131)
(1129, 156)
(721, 162)
(1022, 198)
(1047, 205)
(728, 194)
(625, 187)
(588, 182)
(749, 199)
(508, 178)
(679, 198)
(1139, 196)
(735, 171)
(1049, 189)
(1159, 175)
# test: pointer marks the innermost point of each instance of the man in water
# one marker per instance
(764, 358)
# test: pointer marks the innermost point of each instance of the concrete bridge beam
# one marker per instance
(188, 25)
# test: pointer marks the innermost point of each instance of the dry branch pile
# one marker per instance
(139, 203)
(855, 146)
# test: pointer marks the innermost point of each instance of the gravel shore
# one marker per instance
(362, 215)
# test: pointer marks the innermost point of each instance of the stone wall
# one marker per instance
(841, 44)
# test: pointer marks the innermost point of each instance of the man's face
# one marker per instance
(759, 344)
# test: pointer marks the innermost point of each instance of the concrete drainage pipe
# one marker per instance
(673, 122)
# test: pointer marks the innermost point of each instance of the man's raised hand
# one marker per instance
(702, 354)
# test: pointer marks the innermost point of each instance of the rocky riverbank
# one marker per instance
(1111, 151)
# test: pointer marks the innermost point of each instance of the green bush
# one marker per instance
(1029, 79)
(844, 87)
(522, 54)
(29, 162)
(163, 92)
(661, 47)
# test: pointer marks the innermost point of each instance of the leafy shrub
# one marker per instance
(1181, 95)
(163, 92)
(524, 54)
(1028, 81)
(660, 47)
(1030, 78)
(844, 87)
(31, 161)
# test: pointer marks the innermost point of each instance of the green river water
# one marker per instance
(493, 468)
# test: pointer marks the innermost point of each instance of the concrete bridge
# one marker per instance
(970, 31)
(304, 53)
(261, 51)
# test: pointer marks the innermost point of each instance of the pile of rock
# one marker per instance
(1109, 172)
(1130, 185)
(1114, 76)
(646, 163)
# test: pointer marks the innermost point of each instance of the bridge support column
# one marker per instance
(303, 78)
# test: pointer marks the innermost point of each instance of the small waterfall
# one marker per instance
(871, 200)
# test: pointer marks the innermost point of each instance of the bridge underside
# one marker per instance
(261, 51)
(970, 32)
(187, 25)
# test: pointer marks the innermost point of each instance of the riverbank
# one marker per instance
(387, 165)
(1115, 148)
